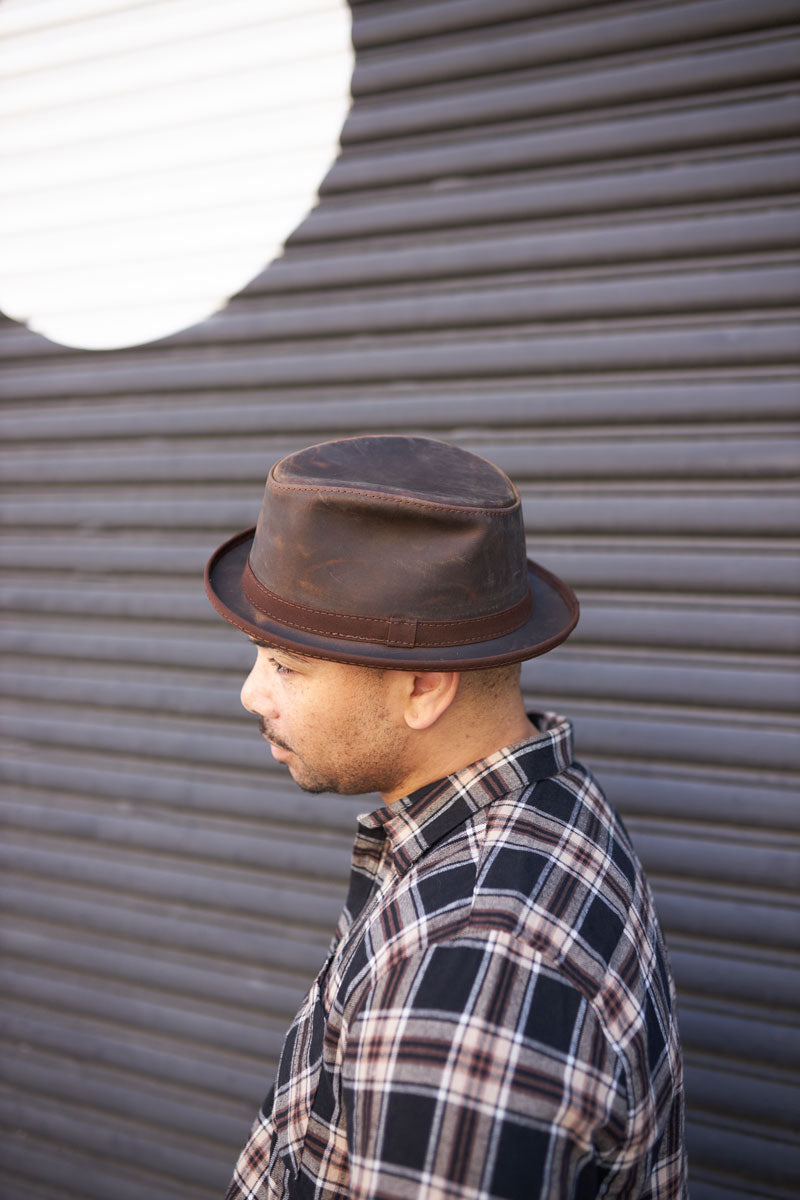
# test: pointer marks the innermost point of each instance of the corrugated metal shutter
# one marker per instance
(563, 237)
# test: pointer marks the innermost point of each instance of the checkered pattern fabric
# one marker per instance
(496, 1016)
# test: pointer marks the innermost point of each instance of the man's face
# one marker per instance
(338, 728)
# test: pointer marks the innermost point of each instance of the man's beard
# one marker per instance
(364, 774)
(314, 786)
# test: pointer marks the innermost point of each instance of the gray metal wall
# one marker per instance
(560, 235)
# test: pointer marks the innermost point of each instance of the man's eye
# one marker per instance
(280, 669)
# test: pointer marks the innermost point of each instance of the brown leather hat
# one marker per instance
(392, 552)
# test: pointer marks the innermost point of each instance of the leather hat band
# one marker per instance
(391, 631)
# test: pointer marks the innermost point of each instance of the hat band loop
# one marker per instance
(391, 631)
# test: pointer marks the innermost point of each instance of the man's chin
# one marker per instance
(315, 789)
(314, 786)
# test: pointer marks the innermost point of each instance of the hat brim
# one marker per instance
(554, 615)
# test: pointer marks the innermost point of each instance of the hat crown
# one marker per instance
(391, 527)
(419, 469)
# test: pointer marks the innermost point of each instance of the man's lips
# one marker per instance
(275, 742)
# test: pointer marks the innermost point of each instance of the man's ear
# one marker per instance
(430, 696)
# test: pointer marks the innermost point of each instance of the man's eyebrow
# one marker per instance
(301, 658)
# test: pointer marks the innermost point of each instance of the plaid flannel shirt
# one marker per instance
(496, 1017)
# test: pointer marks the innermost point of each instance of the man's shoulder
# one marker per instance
(554, 834)
(558, 844)
(549, 864)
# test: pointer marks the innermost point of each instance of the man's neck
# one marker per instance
(452, 747)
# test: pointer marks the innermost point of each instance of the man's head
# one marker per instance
(348, 729)
(388, 590)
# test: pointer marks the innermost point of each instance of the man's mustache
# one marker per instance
(270, 736)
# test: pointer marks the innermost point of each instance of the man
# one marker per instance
(496, 1014)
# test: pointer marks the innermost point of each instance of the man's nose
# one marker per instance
(255, 695)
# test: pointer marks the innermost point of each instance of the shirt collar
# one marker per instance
(418, 821)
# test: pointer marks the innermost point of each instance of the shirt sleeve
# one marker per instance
(475, 1069)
